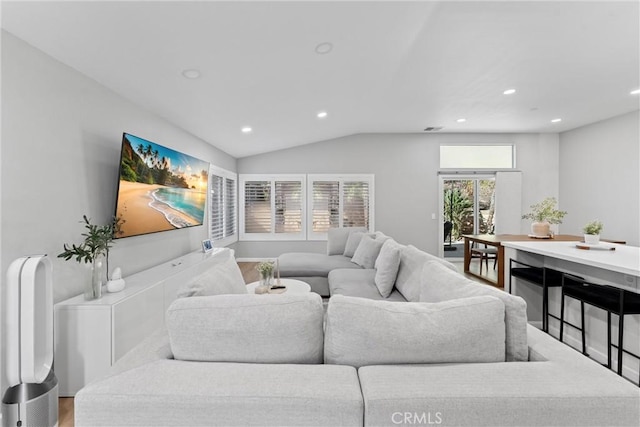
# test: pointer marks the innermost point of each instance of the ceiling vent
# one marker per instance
(433, 128)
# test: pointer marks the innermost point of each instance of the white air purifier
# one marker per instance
(32, 396)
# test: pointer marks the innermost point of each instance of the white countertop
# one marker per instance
(624, 259)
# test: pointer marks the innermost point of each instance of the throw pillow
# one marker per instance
(352, 243)
(337, 239)
(412, 261)
(386, 266)
(247, 328)
(441, 284)
(222, 278)
(367, 252)
(361, 332)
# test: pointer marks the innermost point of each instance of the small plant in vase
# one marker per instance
(266, 276)
(544, 214)
(94, 250)
(592, 232)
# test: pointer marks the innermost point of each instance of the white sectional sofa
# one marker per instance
(458, 353)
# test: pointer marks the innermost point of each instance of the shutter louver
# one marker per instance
(356, 204)
(230, 207)
(257, 206)
(326, 205)
(217, 213)
(288, 206)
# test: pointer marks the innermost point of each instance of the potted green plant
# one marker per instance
(544, 214)
(94, 251)
(592, 232)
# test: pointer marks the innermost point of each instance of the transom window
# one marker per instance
(477, 157)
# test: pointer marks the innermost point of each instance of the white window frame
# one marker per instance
(223, 173)
(272, 178)
(341, 178)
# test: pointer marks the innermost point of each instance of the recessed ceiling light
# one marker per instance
(324, 48)
(247, 129)
(556, 120)
(461, 120)
(191, 74)
(635, 92)
(321, 114)
(509, 91)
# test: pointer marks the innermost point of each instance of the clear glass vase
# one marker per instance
(93, 287)
(266, 279)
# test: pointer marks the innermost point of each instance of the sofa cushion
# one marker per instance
(568, 391)
(367, 252)
(178, 393)
(361, 332)
(412, 261)
(301, 264)
(358, 283)
(247, 328)
(441, 284)
(223, 278)
(337, 239)
(386, 266)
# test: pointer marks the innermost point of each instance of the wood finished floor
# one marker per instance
(65, 404)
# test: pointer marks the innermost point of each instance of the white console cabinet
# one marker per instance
(92, 335)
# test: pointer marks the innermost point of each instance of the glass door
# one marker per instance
(468, 207)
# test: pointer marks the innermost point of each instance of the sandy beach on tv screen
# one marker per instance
(139, 217)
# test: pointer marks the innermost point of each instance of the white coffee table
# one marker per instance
(293, 287)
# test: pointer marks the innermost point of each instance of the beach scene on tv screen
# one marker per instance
(160, 189)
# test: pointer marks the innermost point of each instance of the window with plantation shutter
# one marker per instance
(355, 210)
(272, 207)
(230, 208)
(339, 201)
(325, 208)
(257, 207)
(288, 204)
(222, 206)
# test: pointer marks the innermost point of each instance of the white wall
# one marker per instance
(406, 178)
(600, 177)
(61, 138)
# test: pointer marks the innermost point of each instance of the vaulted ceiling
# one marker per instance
(390, 66)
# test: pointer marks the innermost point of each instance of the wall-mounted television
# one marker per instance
(159, 189)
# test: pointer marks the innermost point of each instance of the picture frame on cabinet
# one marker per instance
(207, 246)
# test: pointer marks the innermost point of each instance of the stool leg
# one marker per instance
(545, 309)
(481, 259)
(620, 331)
(584, 340)
(608, 339)
(620, 342)
(561, 314)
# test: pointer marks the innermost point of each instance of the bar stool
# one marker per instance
(609, 298)
(540, 276)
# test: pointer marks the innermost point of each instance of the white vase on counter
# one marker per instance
(592, 239)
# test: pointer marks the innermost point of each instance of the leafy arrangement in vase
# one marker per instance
(97, 242)
(543, 214)
(592, 232)
(266, 276)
